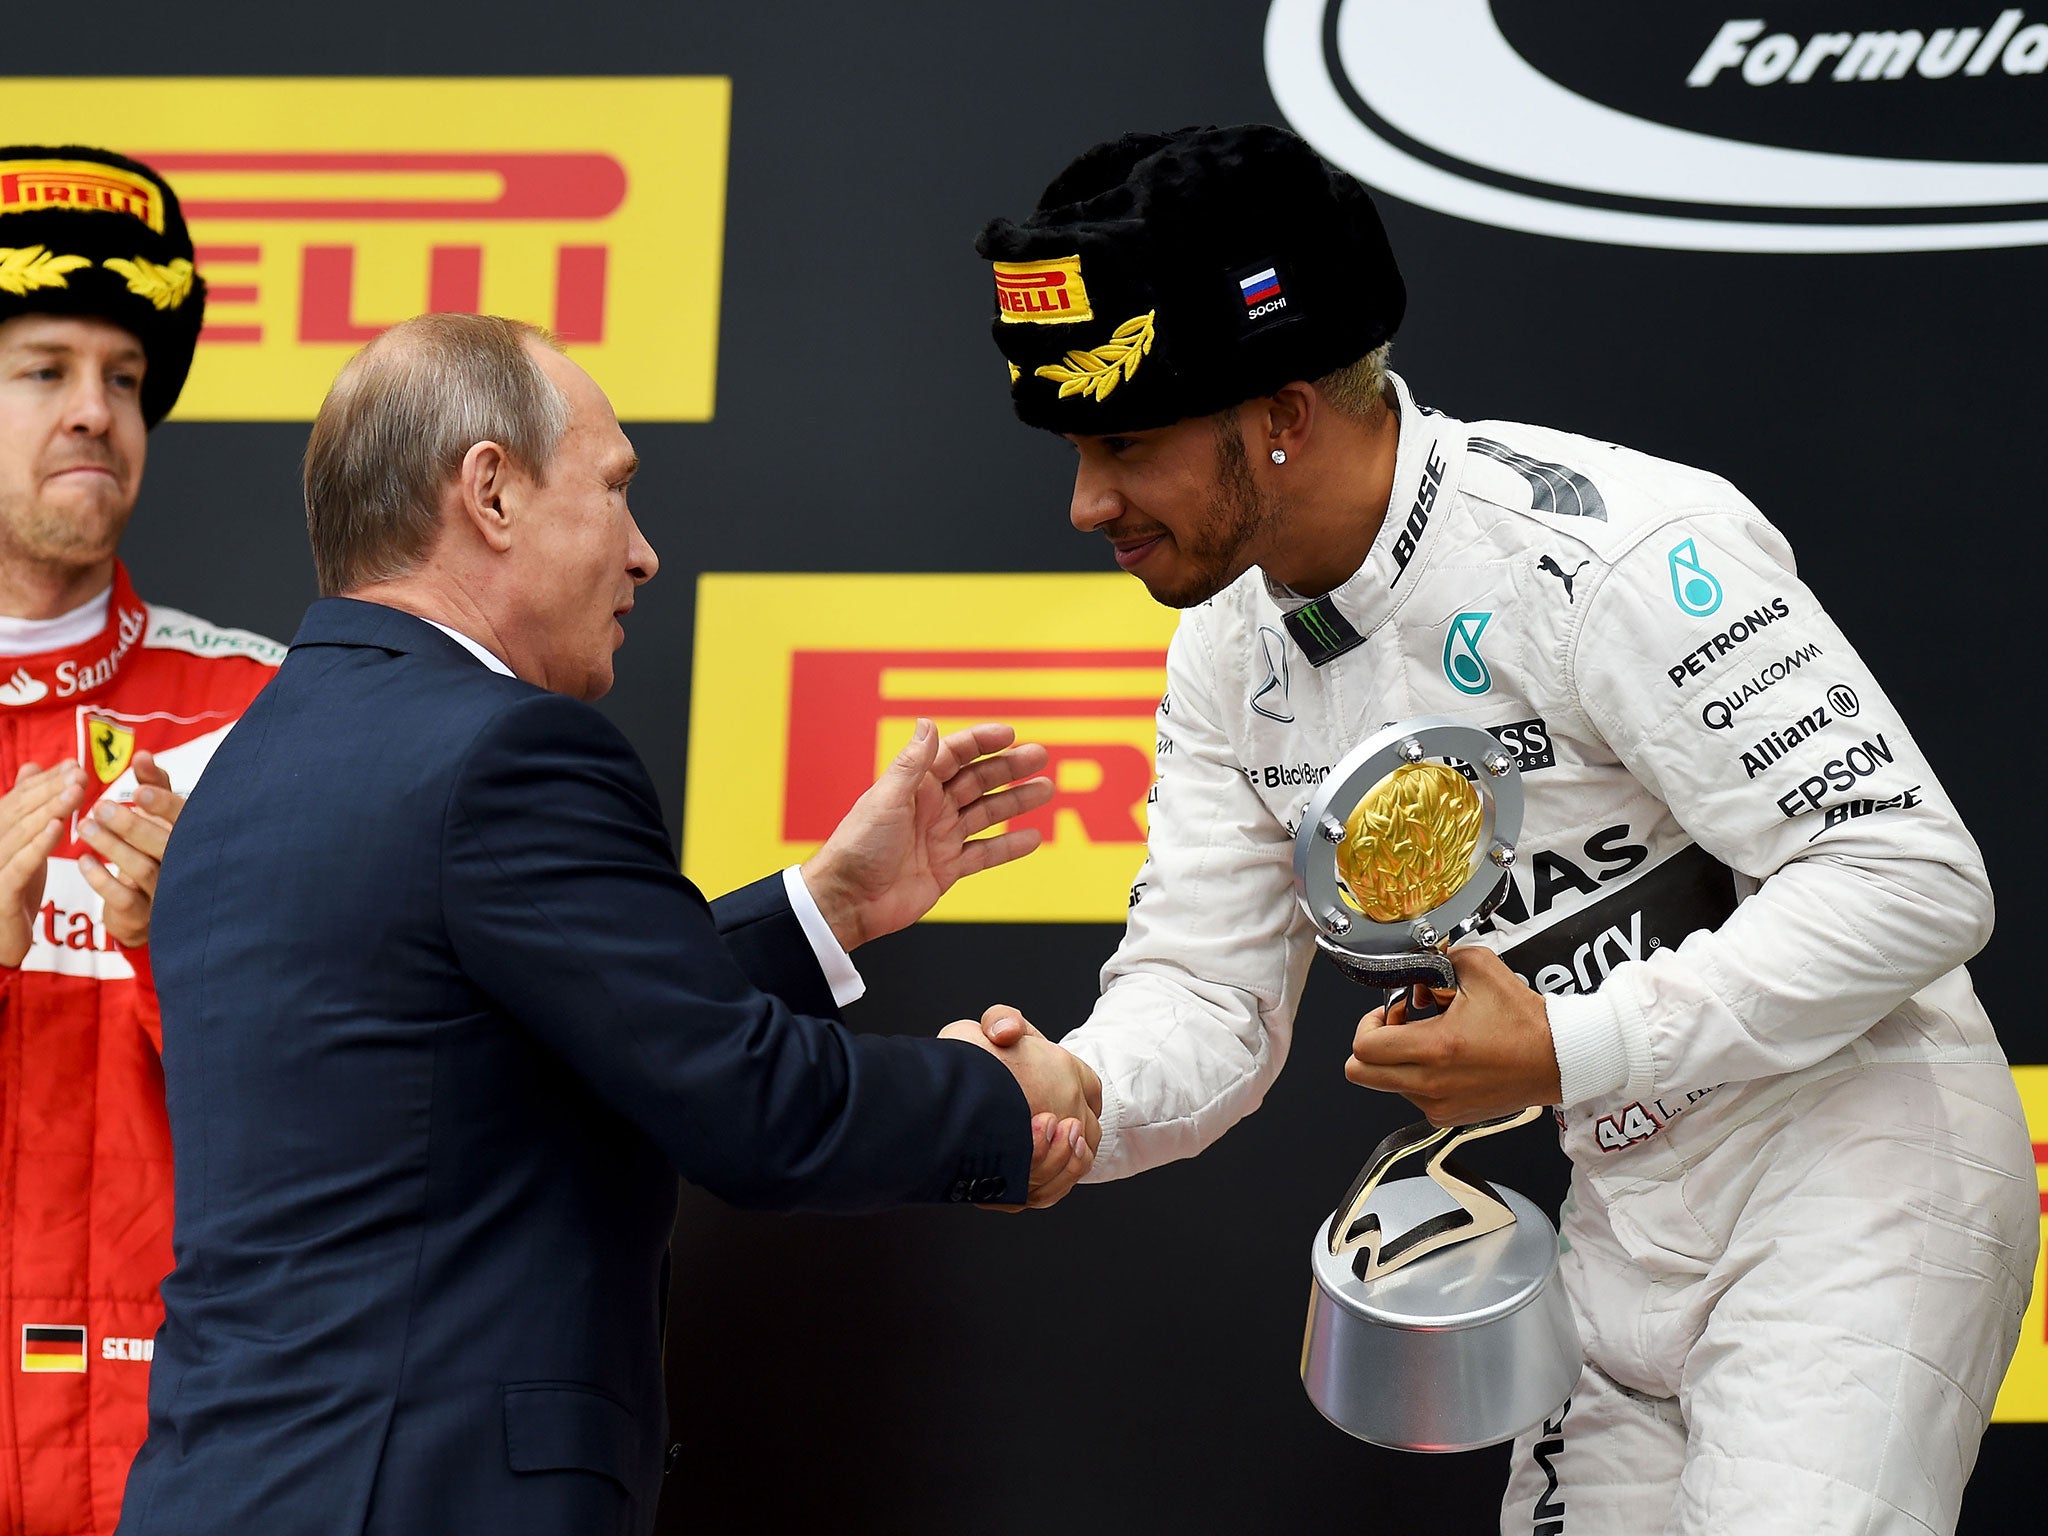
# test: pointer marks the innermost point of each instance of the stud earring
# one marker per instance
(1279, 455)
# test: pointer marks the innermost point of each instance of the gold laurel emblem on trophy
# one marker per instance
(1410, 842)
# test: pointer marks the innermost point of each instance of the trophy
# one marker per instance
(1438, 1320)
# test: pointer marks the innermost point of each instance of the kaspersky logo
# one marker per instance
(1463, 664)
(791, 721)
(1695, 587)
(327, 210)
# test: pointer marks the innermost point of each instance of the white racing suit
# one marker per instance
(1802, 1223)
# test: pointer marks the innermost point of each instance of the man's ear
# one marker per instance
(481, 489)
(1289, 416)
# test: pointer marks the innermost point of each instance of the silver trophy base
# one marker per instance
(1461, 1349)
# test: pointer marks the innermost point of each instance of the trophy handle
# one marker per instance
(1480, 1207)
(1421, 968)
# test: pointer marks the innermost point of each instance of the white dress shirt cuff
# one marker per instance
(844, 980)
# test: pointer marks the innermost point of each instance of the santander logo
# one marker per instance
(1429, 101)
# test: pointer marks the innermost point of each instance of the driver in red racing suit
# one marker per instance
(109, 708)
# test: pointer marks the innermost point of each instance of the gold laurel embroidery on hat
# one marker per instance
(27, 267)
(166, 286)
(1094, 374)
(1015, 373)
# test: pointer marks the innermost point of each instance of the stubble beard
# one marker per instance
(1236, 515)
(35, 533)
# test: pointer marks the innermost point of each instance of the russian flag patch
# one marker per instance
(1265, 298)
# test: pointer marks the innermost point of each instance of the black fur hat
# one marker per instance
(88, 232)
(1167, 275)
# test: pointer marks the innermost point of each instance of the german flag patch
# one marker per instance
(52, 1348)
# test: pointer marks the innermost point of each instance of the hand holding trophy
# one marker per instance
(1398, 855)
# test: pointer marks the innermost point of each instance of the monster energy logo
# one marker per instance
(1321, 631)
(1463, 664)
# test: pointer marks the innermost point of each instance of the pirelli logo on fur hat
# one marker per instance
(1041, 292)
(37, 186)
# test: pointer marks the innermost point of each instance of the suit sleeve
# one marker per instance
(1198, 1001)
(1719, 681)
(763, 936)
(564, 907)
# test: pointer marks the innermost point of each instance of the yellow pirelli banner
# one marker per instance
(805, 686)
(325, 210)
(2024, 1398)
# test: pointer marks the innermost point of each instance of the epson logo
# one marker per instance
(1642, 136)
(1859, 762)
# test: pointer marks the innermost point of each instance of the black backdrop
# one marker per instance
(1127, 1362)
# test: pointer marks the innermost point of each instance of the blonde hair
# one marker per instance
(1358, 389)
(395, 426)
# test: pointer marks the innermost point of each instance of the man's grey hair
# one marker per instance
(1358, 389)
(394, 429)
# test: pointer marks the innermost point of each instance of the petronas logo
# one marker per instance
(1695, 587)
(1463, 664)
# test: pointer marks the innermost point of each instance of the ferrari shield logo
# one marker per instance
(109, 746)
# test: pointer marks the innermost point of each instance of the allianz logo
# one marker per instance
(1385, 89)
(1593, 961)
(1758, 56)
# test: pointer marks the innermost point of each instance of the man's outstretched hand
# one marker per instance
(1064, 1094)
(914, 832)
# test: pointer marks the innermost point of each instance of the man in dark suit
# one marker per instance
(442, 1022)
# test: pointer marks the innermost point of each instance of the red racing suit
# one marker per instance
(85, 1150)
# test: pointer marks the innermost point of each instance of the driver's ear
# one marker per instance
(1286, 419)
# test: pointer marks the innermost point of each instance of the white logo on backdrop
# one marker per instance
(1426, 100)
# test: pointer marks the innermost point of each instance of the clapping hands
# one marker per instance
(126, 842)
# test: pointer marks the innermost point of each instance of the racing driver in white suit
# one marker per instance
(1802, 1223)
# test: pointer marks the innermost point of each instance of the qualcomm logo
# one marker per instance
(1431, 103)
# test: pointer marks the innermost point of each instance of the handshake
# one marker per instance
(1063, 1091)
(909, 839)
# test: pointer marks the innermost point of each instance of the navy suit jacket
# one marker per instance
(442, 1023)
